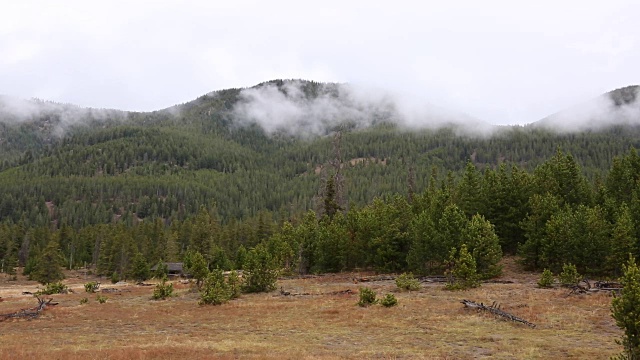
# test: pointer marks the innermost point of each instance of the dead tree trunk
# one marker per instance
(496, 311)
(30, 313)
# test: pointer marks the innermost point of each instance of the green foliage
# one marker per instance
(84, 301)
(115, 277)
(624, 309)
(101, 299)
(48, 267)
(162, 290)
(389, 301)
(406, 281)
(569, 275)
(53, 288)
(141, 270)
(463, 271)
(216, 291)
(161, 271)
(367, 297)
(196, 266)
(546, 279)
(484, 246)
(260, 271)
(234, 281)
(91, 286)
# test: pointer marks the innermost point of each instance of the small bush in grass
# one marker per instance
(367, 297)
(546, 280)
(91, 287)
(389, 300)
(53, 288)
(163, 290)
(406, 281)
(463, 275)
(101, 299)
(569, 275)
(234, 283)
(115, 277)
(215, 291)
(84, 301)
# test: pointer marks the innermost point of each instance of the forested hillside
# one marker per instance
(211, 176)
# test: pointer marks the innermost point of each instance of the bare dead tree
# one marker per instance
(30, 313)
(495, 309)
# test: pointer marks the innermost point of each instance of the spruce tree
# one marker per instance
(48, 267)
(140, 271)
(261, 270)
(464, 271)
(624, 309)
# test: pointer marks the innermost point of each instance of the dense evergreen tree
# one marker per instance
(48, 267)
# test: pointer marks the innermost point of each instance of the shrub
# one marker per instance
(54, 288)
(367, 297)
(389, 300)
(101, 299)
(91, 287)
(261, 270)
(163, 290)
(84, 301)
(546, 280)
(235, 285)
(569, 275)
(464, 271)
(406, 281)
(115, 277)
(215, 291)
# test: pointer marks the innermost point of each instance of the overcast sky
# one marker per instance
(504, 62)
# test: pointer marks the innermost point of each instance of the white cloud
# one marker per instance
(502, 61)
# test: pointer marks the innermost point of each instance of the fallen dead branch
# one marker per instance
(494, 309)
(374, 278)
(584, 287)
(339, 292)
(30, 313)
(114, 291)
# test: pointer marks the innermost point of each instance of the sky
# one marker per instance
(503, 62)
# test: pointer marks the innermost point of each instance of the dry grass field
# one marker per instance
(323, 323)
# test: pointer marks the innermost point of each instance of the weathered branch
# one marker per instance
(30, 313)
(496, 311)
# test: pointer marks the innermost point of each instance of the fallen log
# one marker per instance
(496, 311)
(30, 313)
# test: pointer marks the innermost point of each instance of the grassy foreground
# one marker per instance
(323, 323)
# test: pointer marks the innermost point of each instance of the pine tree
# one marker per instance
(623, 242)
(48, 268)
(261, 270)
(464, 271)
(484, 245)
(469, 192)
(140, 268)
(624, 309)
(196, 266)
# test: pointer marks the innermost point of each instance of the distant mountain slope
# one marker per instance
(264, 148)
(617, 107)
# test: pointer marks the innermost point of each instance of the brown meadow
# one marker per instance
(322, 323)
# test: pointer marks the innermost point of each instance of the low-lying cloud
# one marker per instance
(290, 110)
(618, 107)
(59, 117)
